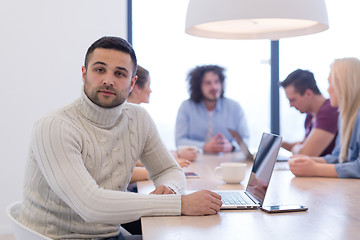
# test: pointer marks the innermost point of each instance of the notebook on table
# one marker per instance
(264, 162)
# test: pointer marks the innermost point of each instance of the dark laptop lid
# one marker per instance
(263, 166)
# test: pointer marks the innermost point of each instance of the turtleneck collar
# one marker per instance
(105, 117)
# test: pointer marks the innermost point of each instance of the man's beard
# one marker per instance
(94, 96)
(212, 98)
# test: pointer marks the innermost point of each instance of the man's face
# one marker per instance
(296, 100)
(211, 87)
(108, 78)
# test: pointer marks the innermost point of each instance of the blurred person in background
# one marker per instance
(321, 118)
(204, 119)
(141, 94)
(344, 161)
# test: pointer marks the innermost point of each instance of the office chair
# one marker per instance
(21, 231)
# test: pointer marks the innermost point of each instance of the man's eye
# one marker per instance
(119, 74)
(99, 70)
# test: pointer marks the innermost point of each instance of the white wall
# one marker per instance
(42, 49)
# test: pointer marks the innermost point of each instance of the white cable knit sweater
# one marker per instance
(80, 163)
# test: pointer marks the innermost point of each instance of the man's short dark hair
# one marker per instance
(143, 76)
(195, 77)
(301, 80)
(115, 43)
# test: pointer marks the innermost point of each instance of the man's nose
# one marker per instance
(214, 86)
(108, 80)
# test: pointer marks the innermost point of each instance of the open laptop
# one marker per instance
(264, 162)
(283, 155)
(244, 149)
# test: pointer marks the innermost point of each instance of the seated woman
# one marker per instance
(141, 94)
(344, 161)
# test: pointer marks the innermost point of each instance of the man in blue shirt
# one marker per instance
(204, 119)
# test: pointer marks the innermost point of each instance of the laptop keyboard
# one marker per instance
(233, 198)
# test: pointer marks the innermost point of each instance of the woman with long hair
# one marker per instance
(141, 94)
(344, 161)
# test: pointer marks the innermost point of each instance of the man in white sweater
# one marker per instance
(82, 156)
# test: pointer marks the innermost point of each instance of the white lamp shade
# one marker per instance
(255, 19)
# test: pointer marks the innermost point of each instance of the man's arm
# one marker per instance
(182, 129)
(56, 146)
(316, 142)
(288, 145)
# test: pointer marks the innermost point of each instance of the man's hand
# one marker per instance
(200, 203)
(187, 153)
(163, 190)
(287, 145)
(182, 162)
(217, 144)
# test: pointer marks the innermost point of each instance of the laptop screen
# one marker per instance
(263, 165)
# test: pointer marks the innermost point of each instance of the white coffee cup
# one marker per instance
(231, 172)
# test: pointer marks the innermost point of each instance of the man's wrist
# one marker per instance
(296, 149)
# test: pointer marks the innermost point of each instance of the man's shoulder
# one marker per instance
(132, 109)
(327, 118)
(326, 107)
(65, 112)
(229, 102)
(223, 102)
(133, 106)
(327, 111)
(188, 103)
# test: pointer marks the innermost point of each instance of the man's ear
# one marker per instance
(133, 81)
(135, 89)
(309, 93)
(83, 70)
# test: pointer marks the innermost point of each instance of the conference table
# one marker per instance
(334, 207)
